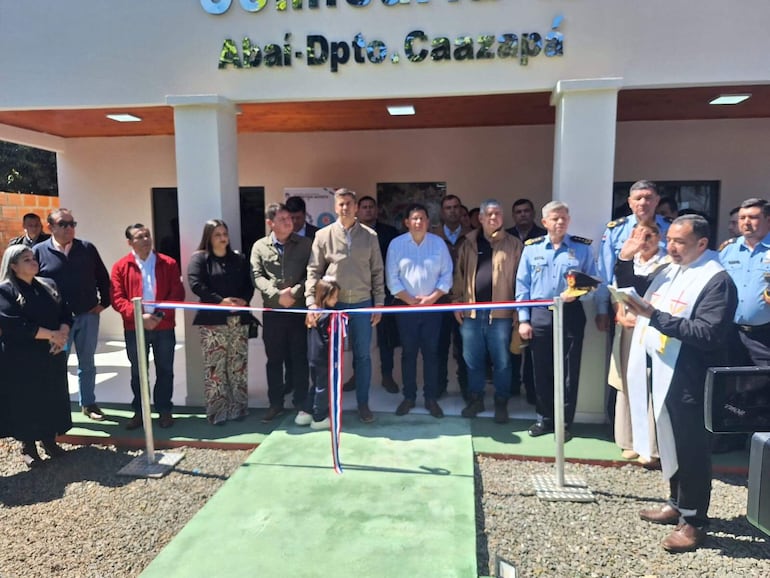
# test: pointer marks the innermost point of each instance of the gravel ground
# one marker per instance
(607, 537)
(77, 518)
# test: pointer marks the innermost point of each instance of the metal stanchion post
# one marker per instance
(152, 465)
(558, 386)
(560, 488)
(144, 380)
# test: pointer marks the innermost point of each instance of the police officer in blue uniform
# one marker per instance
(541, 275)
(747, 260)
(643, 199)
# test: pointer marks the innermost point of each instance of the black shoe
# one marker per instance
(273, 412)
(434, 408)
(501, 411)
(135, 422)
(475, 406)
(350, 384)
(53, 449)
(389, 384)
(29, 455)
(93, 412)
(364, 413)
(166, 420)
(405, 407)
(538, 429)
(567, 435)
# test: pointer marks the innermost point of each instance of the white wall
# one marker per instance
(92, 53)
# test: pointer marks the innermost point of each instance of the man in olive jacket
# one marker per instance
(279, 268)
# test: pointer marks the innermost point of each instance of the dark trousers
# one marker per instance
(690, 486)
(418, 332)
(387, 339)
(450, 334)
(751, 348)
(162, 343)
(542, 353)
(522, 372)
(320, 406)
(285, 337)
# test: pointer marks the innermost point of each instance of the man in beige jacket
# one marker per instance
(350, 252)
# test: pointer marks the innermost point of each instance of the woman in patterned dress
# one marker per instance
(220, 276)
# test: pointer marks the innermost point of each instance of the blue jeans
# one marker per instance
(419, 332)
(480, 336)
(360, 335)
(163, 343)
(84, 333)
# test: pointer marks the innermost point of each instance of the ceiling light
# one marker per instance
(401, 110)
(730, 99)
(124, 117)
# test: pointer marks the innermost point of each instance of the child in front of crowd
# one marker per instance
(326, 295)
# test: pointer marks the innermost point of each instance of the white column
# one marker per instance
(207, 182)
(583, 169)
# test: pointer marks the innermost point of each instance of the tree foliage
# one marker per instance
(27, 170)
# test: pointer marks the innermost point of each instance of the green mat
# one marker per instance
(404, 506)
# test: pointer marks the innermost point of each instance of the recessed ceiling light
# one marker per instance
(401, 110)
(730, 99)
(124, 117)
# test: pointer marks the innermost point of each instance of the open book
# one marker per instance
(626, 294)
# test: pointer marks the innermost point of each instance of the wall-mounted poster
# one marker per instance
(394, 198)
(319, 203)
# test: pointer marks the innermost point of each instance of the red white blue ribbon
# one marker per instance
(337, 330)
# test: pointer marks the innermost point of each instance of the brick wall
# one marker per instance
(13, 206)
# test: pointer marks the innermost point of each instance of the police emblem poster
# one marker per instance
(319, 203)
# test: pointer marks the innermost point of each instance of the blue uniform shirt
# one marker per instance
(542, 268)
(748, 269)
(617, 233)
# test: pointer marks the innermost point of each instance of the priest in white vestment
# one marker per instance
(680, 331)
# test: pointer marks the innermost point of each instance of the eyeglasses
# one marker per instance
(65, 224)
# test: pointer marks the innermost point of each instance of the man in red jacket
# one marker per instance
(153, 277)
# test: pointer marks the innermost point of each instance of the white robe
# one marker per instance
(675, 291)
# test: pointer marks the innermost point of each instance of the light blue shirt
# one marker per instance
(748, 269)
(147, 268)
(418, 269)
(542, 269)
(612, 242)
(452, 236)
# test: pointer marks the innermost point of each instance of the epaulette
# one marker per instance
(535, 240)
(582, 240)
(616, 222)
(728, 242)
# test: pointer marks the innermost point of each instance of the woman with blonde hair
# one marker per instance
(35, 324)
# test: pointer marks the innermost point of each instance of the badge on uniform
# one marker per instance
(579, 283)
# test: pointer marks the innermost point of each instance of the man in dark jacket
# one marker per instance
(153, 277)
(84, 283)
(33, 232)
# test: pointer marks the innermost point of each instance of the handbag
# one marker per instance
(254, 324)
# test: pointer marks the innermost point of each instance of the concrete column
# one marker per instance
(207, 182)
(583, 169)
